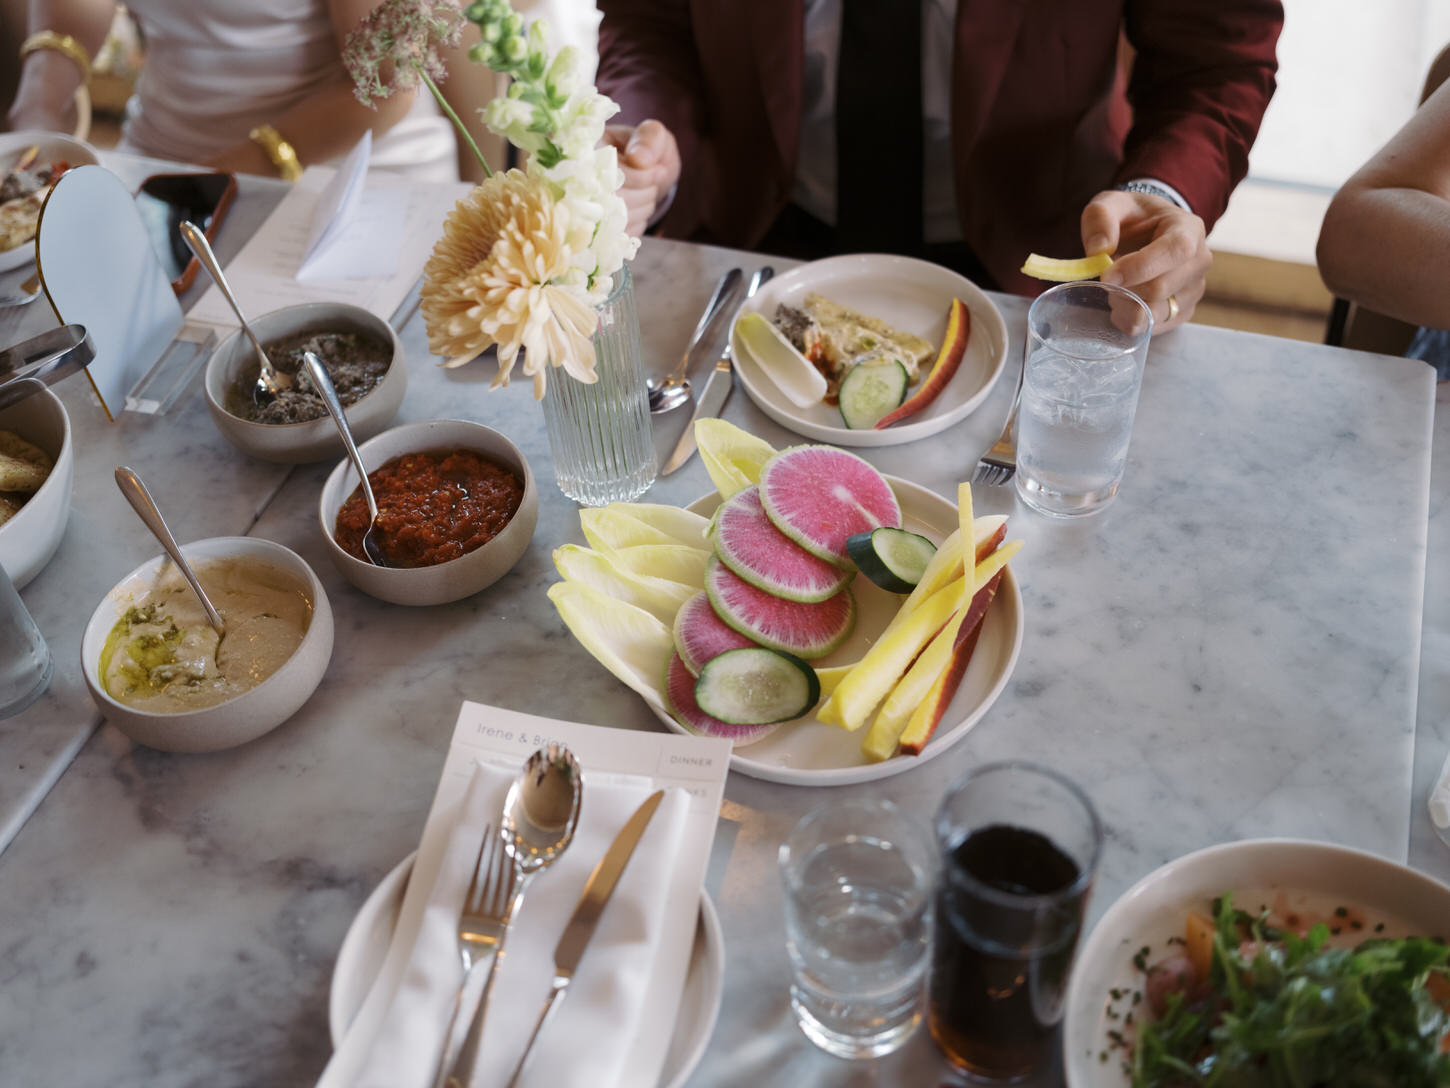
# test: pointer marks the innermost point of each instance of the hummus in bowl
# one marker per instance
(160, 674)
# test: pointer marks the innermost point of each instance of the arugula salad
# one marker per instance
(1249, 1003)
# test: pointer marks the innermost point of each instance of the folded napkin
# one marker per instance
(606, 1029)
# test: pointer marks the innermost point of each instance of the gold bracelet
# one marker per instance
(283, 154)
(59, 43)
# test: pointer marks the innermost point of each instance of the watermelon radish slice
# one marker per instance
(680, 698)
(820, 495)
(749, 544)
(808, 630)
(701, 635)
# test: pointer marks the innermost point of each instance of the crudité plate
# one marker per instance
(1311, 878)
(809, 753)
(366, 945)
(908, 294)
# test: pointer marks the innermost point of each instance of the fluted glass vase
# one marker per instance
(599, 433)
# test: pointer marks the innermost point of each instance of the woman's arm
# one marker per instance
(329, 122)
(48, 78)
(1385, 241)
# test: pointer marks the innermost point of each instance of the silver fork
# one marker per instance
(999, 464)
(481, 926)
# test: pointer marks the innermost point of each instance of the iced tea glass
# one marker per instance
(1086, 346)
(857, 880)
(1019, 844)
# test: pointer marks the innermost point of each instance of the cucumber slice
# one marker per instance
(870, 390)
(892, 558)
(756, 686)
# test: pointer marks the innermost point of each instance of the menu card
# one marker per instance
(496, 737)
(397, 226)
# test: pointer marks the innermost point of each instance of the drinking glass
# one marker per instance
(599, 433)
(1019, 845)
(857, 878)
(1086, 346)
(25, 662)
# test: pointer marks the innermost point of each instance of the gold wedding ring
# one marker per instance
(1172, 307)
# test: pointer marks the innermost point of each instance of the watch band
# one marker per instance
(1154, 188)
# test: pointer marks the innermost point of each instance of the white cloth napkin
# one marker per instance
(595, 1034)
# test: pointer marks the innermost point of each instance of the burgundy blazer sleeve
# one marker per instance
(648, 64)
(1201, 80)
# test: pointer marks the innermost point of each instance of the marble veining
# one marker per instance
(1231, 650)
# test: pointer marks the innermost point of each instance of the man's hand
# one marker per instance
(1160, 252)
(650, 159)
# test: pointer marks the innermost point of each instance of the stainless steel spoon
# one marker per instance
(321, 381)
(270, 381)
(674, 389)
(540, 814)
(137, 495)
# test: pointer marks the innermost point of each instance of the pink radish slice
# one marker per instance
(819, 495)
(806, 630)
(749, 544)
(701, 635)
(680, 697)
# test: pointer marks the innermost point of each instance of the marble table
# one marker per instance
(1232, 650)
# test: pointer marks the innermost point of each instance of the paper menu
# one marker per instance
(264, 274)
(506, 738)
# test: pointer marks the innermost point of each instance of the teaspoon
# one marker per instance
(321, 381)
(674, 388)
(540, 814)
(270, 381)
(137, 495)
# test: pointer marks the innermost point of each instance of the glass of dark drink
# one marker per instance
(1019, 844)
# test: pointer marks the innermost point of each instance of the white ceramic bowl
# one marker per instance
(457, 578)
(1153, 911)
(29, 539)
(317, 439)
(53, 147)
(248, 715)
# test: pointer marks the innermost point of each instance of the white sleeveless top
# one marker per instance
(215, 69)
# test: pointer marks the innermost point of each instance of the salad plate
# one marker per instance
(808, 753)
(910, 295)
(54, 148)
(1311, 879)
(365, 946)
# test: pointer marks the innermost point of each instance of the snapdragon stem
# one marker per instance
(448, 110)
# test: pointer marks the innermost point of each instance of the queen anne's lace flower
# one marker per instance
(494, 278)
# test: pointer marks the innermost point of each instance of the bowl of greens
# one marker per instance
(1264, 963)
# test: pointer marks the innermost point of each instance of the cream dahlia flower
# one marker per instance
(498, 276)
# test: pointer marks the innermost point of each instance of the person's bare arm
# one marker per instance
(328, 122)
(1385, 240)
(48, 79)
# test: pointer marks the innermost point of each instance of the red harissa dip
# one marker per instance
(432, 507)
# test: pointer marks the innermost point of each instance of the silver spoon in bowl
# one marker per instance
(137, 495)
(321, 381)
(540, 815)
(270, 381)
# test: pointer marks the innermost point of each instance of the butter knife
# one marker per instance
(570, 949)
(717, 389)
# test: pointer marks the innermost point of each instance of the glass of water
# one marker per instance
(25, 661)
(1086, 346)
(857, 878)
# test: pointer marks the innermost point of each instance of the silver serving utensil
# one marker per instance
(43, 360)
(137, 495)
(582, 923)
(717, 389)
(321, 381)
(270, 381)
(673, 389)
(29, 291)
(540, 814)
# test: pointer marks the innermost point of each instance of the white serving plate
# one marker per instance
(366, 945)
(53, 146)
(810, 753)
(909, 294)
(1153, 911)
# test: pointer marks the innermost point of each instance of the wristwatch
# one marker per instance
(1154, 188)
